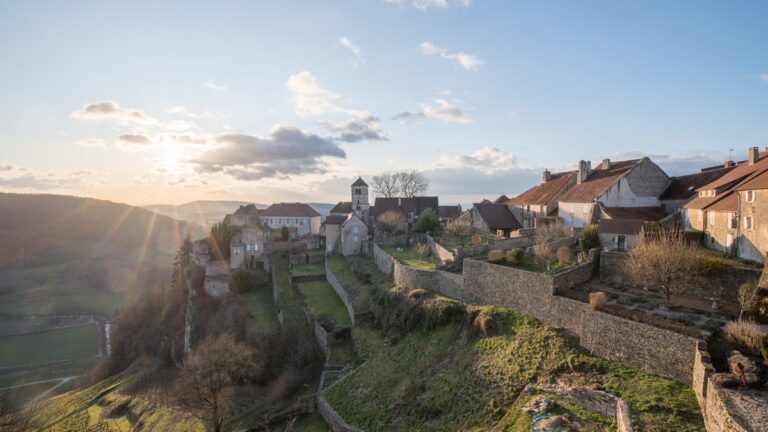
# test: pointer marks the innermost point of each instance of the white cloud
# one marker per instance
(441, 109)
(763, 77)
(110, 110)
(90, 142)
(357, 54)
(361, 127)
(133, 142)
(309, 98)
(33, 180)
(467, 61)
(427, 4)
(180, 125)
(215, 87)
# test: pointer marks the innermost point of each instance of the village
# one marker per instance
(663, 274)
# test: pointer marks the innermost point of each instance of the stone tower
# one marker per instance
(360, 197)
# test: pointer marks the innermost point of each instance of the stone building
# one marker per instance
(410, 208)
(631, 183)
(493, 218)
(448, 213)
(247, 247)
(243, 216)
(684, 188)
(344, 234)
(752, 220)
(300, 219)
(541, 200)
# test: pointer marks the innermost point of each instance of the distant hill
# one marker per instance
(64, 254)
(203, 213)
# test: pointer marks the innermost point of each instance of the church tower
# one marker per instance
(360, 197)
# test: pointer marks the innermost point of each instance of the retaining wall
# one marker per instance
(331, 417)
(341, 292)
(383, 261)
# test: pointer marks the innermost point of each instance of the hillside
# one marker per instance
(203, 213)
(64, 254)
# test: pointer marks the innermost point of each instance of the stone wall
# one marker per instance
(333, 418)
(383, 261)
(321, 336)
(217, 268)
(438, 251)
(307, 258)
(341, 292)
(449, 284)
(218, 287)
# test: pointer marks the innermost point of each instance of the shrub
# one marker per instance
(392, 221)
(750, 297)
(485, 325)
(515, 256)
(597, 300)
(708, 264)
(589, 238)
(477, 240)
(496, 256)
(744, 335)
(240, 282)
(422, 249)
(428, 221)
(564, 255)
(284, 233)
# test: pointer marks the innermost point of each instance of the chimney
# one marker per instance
(584, 168)
(729, 163)
(547, 176)
(753, 155)
(606, 164)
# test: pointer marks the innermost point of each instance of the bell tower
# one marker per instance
(360, 202)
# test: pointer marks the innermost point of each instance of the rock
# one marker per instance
(726, 380)
(538, 405)
(738, 363)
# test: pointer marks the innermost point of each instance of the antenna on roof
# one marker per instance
(730, 153)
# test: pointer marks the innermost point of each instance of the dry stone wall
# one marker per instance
(341, 292)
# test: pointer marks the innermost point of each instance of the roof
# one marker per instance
(449, 212)
(342, 207)
(728, 202)
(359, 182)
(684, 187)
(620, 226)
(652, 214)
(497, 216)
(502, 199)
(290, 210)
(758, 180)
(742, 171)
(543, 193)
(743, 177)
(335, 219)
(405, 205)
(599, 181)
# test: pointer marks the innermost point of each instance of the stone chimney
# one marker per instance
(606, 164)
(753, 154)
(547, 176)
(584, 168)
(729, 163)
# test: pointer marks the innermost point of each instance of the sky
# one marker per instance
(173, 101)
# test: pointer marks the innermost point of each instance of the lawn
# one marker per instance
(323, 302)
(409, 257)
(258, 303)
(49, 346)
(453, 243)
(446, 379)
(308, 270)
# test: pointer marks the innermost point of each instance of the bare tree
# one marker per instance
(412, 183)
(461, 228)
(386, 184)
(545, 237)
(391, 221)
(663, 260)
(207, 380)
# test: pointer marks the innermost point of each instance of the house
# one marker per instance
(344, 234)
(300, 219)
(242, 216)
(684, 188)
(631, 183)
(342, 208)
(501, 199)
(752, 197)
(620, 228)
(541, 200)
(495, 218)
(448, 213)
(410, 208)
(247, 247)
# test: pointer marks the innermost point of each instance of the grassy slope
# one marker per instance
(49, 346)
(323, 302)
(410, 258)
(307, 270)
(258, 302)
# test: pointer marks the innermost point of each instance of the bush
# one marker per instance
(708, 264)
(422, 249)
(240, 282)
(515, 256)
(589, 238)
(496, 256)
(428, 221)
(745, 336)
(597, 300)
(485, 325)
(750, 299)
(477, 240)
(564, 255)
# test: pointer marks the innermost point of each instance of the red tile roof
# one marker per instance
(543, 193)
(290, 210)
(599, 181)
(684, 187)
(742, 171)
(758, 180)
(728, 202)
(497, 216)
(620, 226)
(741, 176)
(651, 214)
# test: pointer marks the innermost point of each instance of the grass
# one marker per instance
(49, 346)
(258, 303)
(410, 258)
(323, 302)
(308, 270)
(531, 264)
(453, 243)
(362, 294)
(446, 379)
(518, 421)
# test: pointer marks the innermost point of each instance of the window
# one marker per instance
(585, 208)
(621, 242)
(355, 229)
(749, 222)
(751, 196)
(732, 221)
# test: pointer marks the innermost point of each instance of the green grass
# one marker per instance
(518, 421)
(323, 302)
(410, 258)
(453, 243)
(258, 303)
(444, 379)
(362, 294)
(308, 270)
(49, 346)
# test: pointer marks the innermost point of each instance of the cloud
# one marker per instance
(22, 178)
(90, 143)
(133, 142)
(6, 168)
(309, 98)
(427, 4)
(287, 151)
(186, 138)
(215, 87)
(467, 61)
(442, 109)
(362, 127)
(763, 77)
(180, 125)
(110, 110)
(357, 53)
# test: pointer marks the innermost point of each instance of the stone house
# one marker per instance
(631, 183)
(243, 216)
(247, 247)
(541, 200)
(448, 213)
(494, 218)
(684, 188)
(620, 228)
(300, 219)
(344, 234)
(410, 208)
(752, 221)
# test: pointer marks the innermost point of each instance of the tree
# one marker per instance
(386, 184)
(460, 228)
(589, 238)
(750, 297)
(284, 233)
(412, 183)
(664, 260)
(219, 239)
(391, 221)
(240, 281)
(428, 221)
(544, 238)
(207, 379)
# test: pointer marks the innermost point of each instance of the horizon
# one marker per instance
(172, 103)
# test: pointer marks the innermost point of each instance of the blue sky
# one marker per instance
(147, 102)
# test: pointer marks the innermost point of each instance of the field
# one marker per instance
(323, 302)
(49, 346)
(410, 258)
